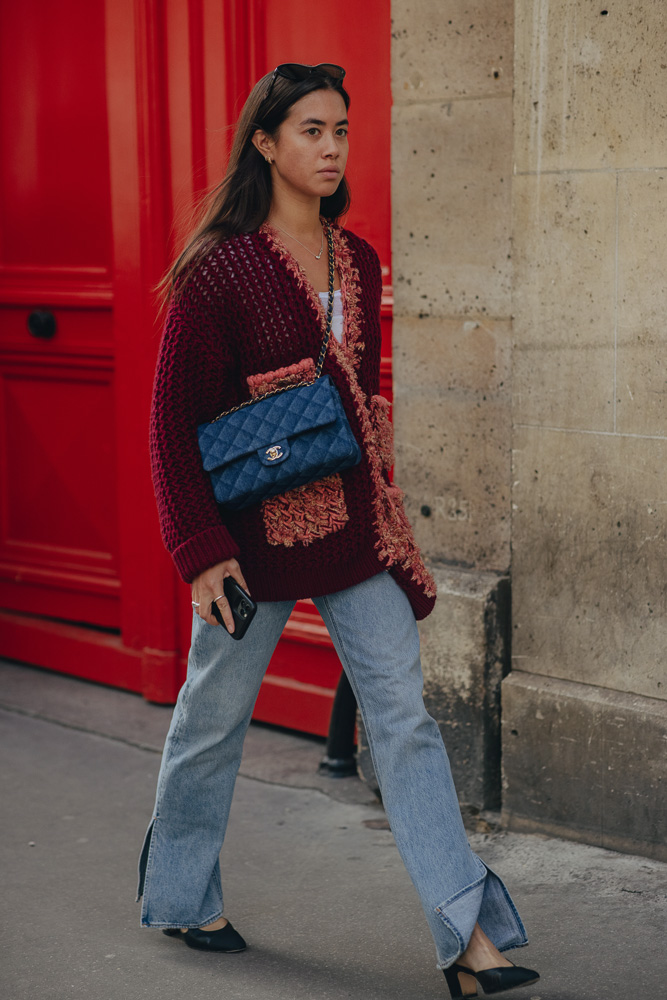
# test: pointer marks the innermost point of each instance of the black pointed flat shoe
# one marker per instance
(226, 939)
(505, 977)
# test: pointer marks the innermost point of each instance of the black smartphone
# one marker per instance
(242, 605)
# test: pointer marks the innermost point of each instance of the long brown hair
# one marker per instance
(242, 200)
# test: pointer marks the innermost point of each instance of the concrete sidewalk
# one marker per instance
(312, 879)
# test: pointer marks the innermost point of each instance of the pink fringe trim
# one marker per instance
(351, 293)
(396, 544)
(303, 370)
(384, 430)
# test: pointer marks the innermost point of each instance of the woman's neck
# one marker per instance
(298, 218)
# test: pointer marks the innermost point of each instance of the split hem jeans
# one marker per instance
(375, 635)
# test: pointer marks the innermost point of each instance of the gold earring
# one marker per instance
(268, 160)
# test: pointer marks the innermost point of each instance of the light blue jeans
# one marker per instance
(375, 634)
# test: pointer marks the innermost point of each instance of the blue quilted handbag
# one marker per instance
(286, 438)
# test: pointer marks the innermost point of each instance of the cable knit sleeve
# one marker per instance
(192, 384)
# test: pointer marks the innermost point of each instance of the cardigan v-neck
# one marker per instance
(338, 315)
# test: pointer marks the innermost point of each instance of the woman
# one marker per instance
(246, 315)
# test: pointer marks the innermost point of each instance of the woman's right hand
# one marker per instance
(208, 588)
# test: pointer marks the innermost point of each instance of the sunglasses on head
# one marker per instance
(296, 72)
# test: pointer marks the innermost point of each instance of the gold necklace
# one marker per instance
(315, 255)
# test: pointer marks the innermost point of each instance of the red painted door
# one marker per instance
(113, 116)
(59, 549)
(78, 544)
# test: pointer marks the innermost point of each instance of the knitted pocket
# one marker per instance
(307, 512)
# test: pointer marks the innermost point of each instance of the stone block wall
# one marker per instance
(451, 187)
(585, 762)
(529, 154)
(590, 423)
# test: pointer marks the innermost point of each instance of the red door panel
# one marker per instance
(59, 524)
(57, 546)
(54, 169)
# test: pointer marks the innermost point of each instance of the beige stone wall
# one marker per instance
(530, 225)
(451, 186)
(584, 712)
(589, 381)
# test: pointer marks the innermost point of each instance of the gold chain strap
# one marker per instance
(323, 352)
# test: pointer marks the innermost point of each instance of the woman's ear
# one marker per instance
(264, 144)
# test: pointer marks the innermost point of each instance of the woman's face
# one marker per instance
(310, 152)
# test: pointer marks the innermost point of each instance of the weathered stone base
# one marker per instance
(584, 763)
(464, 651)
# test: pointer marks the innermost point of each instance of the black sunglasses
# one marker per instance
(296, 72)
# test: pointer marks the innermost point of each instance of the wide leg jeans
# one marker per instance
(375, 634)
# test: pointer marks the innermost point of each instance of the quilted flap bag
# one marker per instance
(286, 438)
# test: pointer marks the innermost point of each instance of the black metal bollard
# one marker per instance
(340, 761)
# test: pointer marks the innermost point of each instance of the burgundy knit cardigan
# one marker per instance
(245, 320)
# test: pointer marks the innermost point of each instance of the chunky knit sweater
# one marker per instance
(244, 321)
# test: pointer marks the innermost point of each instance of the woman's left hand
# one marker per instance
(208, 588)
